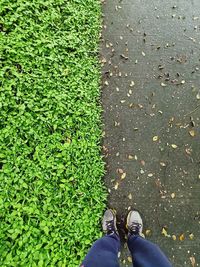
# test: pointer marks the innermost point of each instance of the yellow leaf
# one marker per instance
(192, 133)
(174, 237)
(148, 232)
(155, 138)
(130, 196)
(173, 195)
(123, 176)
(129, 259)
(116, 186)
(191, 236)
(182, 237)
(164, 232)
(174, 146)
(130, 157)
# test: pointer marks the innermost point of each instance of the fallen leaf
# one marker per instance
(164, 232)
(191, 236)
(193, 261)
(198, 96)
(182, 237)
(132, 83)
(129, 259)
(150, 174)
(123, 176)
(163, 164)
(148, 232)
(120, 171)
(142, 171)
(174, 237)
(130, 157)
(174, 146)
(155, 138)
(163, 84)
(188, 151)
(192, 133)
(116, 186)
(130, 196)
(143, 54)
(173, 195)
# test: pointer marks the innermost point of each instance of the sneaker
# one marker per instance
(109, 222)
(134, 223)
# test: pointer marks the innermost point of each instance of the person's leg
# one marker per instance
(146, 254)
(104, 252)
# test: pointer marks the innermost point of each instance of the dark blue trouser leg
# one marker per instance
(146, 254)
(104, 252)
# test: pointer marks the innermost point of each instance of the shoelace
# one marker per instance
(135, 228)
(110, 226)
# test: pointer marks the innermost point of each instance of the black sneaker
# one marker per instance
(134, 223)
(109, 222)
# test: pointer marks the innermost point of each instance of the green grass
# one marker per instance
(51, 190)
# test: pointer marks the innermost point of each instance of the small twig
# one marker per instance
(192, 111)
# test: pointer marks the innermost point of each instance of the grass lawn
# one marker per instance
(51, 190)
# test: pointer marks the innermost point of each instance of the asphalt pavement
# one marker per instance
(150, 54)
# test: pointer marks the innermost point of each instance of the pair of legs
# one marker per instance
(104, 252)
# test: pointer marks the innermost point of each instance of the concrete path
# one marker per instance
(151, 98)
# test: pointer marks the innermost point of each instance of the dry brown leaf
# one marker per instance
(120, 171)
(193, 261)
(188, 151)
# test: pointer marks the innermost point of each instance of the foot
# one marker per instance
(134, 223)
(109, 222)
